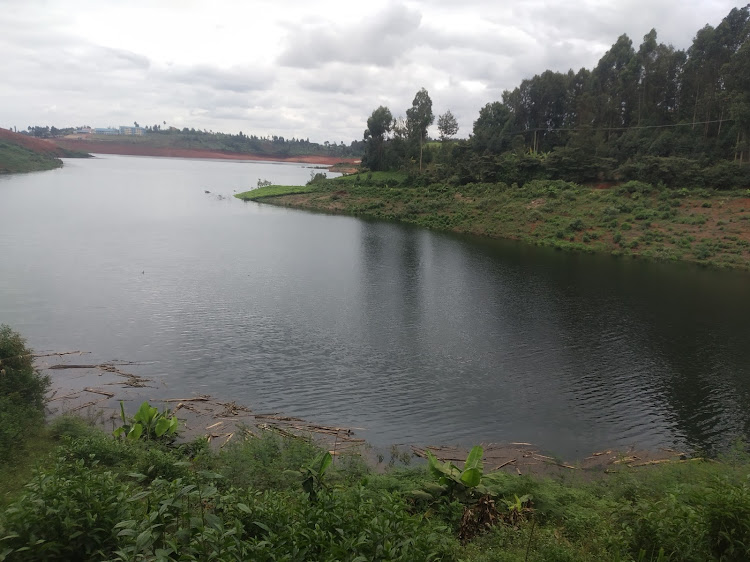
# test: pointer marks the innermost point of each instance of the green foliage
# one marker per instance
(464, 484)
(312, 474)
(261, 463)
(316, 178)
(22, 391)
(15, 158)
(68, 513)
(148, 423)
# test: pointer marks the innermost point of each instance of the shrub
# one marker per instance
(67, 513)
(22, 391)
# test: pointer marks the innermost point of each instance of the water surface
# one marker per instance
(415, 335)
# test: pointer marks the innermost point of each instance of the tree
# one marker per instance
(418, 117)
(492, 129)
(447, 125)
(378, 125)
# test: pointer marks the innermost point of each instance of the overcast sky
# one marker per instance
(305, 69)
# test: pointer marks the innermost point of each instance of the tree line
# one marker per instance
(652, 113)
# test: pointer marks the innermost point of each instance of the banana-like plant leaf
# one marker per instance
(135, 432)
(162, 426)
(474, 460)
(322, 462)
(471, 477)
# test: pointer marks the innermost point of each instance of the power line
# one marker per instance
(691, 124)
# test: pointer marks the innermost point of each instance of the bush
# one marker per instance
(67, 513)
(22, 391)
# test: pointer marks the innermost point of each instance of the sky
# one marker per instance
(301, 69)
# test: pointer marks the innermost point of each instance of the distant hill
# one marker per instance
(190, 143)
(22, 153)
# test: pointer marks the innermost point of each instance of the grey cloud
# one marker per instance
(238, 80)
(127, 57)
(380, 41)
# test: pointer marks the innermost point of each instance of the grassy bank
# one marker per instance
(22, 153)
(273, 191)
(15, 158)
(633, 219)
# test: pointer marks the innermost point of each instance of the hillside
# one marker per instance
(22, 153)
(199, 144)
(148, 146)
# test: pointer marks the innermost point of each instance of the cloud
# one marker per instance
(379, 40)
(302, 69)
(238, 79)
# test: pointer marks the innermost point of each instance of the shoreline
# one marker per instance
(709, 230)
(107, 147)
(80, 387)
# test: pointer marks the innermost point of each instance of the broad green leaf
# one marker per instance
(135, 432)
(321, 463)
(471, 477)
(474, 460)
(162, 426)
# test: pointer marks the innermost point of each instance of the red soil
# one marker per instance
(110, 147)
(32, 143)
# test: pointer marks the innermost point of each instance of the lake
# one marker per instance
(416, 336)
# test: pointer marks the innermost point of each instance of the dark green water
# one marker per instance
(417, 336)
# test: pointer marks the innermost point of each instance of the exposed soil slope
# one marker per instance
(39, 146)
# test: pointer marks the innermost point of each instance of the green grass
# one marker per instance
(274, 191)
(15, 158)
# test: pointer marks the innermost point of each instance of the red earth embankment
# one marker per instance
(112, 147)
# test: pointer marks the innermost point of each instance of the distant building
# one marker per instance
(137, 131)
(83, 131)
(106, 131)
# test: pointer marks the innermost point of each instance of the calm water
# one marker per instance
(414, 335)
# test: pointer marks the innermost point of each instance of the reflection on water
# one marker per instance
(415, 335)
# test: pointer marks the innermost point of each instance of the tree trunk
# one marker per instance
(737, 146)
(420, 154)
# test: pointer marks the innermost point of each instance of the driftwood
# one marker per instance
(99, 391)
(506, 463)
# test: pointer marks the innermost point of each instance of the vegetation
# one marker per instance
(655, 114)
(273, 498)
(16, 158)
(195, 139)
(273, 191)
(22, 391)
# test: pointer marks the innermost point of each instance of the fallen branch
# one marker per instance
(506, 463)
(98, 391)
